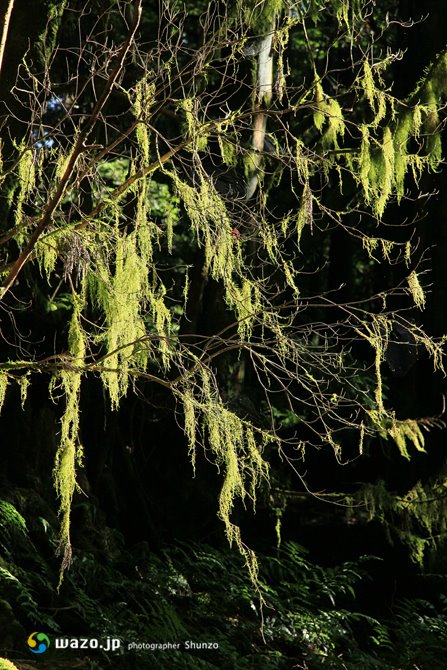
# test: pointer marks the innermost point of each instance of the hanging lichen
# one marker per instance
(302, 162)
(4, 380)
(383, 164)
(406, 431)
(47, 40)
(361, 438)
(335, 125)
(402, 136)
(433, 347)
(305, 212)
(236, 447)
(364, 162)
(347, 11)
(372, 244)
(23, 382)
(246, 303)
(282, 69)
(70, 451)
(420, 511)
(190, 418)
(385, 173)
(196, 130)
(120, 294)
(143, 101)
(416, 290)
(213, 231)
(375, 94)
(2, 173)
(50, 246)
(227, 146)
(7, 665)
(319, 116)
(258, 15)
(27, 178)
(377, 334)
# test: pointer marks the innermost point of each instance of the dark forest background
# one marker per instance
(350, 546)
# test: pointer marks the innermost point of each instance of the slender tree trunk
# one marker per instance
(5, 14)
(264, 95)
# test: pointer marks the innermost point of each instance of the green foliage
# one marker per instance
(12, 524)
(421, 632)
(310, 617)
(19, 585)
